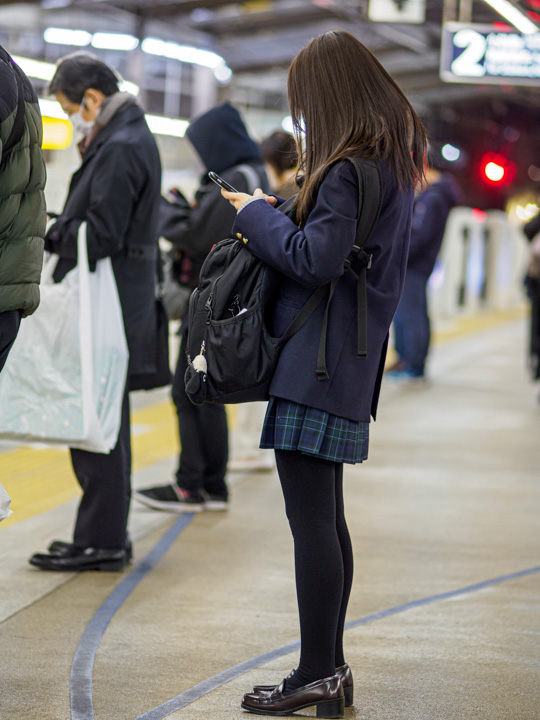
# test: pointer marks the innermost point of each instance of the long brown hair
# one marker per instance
(344, 103)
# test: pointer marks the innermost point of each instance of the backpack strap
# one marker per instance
(251, 176)
(17, 129)
(369, 208)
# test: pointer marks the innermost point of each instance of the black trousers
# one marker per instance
(204, 439)
(313, 492)
(10, 321)
(106, 484)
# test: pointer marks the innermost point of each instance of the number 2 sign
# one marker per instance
(483, 54)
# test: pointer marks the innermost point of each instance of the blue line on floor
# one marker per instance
(203, 688)
(82, 706)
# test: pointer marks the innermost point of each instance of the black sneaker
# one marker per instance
(170, 498)
(215, 502)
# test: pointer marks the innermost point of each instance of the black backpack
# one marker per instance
(232, 356)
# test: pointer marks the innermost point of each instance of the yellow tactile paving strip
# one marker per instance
(40, 479)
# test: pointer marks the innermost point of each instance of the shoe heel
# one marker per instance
(331, 708)
(349, 695)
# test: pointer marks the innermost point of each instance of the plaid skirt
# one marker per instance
(290, 426)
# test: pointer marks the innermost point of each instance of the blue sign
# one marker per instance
(484, 54)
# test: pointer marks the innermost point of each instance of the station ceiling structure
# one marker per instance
(259, 38)
(262, 36)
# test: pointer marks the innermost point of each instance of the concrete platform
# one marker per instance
(449, 498)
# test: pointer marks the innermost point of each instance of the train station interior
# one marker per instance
(443, 621)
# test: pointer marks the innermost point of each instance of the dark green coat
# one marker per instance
(22, 203)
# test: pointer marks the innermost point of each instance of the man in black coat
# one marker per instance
(224, 146)
(116, 191)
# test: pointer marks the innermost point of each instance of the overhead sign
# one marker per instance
(484, 54)
(405, 11)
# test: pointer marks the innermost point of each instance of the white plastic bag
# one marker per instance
(64, 379)
(5, 502)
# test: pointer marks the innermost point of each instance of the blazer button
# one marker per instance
(239, 236)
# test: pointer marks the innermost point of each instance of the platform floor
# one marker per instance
(445, 610)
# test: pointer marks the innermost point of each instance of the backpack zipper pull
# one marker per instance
(208, 308)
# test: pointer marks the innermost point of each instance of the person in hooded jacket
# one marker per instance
(22, 203)
(221, 140)
(116, 191)
(411, 322)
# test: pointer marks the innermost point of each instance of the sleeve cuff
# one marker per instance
(247, 202)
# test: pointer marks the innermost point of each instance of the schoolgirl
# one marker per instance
(343, 104)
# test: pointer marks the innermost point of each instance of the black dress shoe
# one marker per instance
(82, 559)
(345, 674)
(67, 549)
(326, 695)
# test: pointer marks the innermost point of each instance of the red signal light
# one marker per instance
(497, 170)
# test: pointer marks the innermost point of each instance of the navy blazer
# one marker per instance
(314, 255)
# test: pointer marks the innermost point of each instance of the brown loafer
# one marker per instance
(326, 695)
(345, 674)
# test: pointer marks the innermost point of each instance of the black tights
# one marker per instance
(313, 492)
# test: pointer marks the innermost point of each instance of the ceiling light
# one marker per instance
(35, 68)
(223, 73)
(51, 108)
(114, 41)
(287, 124)
(167, 126)
(62, 36)
(450, 153)
(183, 53)
(130, 87)
(514, 15)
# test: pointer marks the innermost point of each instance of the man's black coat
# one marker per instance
(117, 192)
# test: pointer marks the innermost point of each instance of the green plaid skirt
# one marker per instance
(290, 426)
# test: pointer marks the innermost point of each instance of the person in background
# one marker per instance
(532, 282)
(343, 104)
(116, 191)
(281, 162)
(22, 202)
(221, 140)
(411, 323)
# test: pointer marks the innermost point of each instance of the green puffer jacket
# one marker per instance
(22, 202)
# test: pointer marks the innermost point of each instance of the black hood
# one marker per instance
(221, 139)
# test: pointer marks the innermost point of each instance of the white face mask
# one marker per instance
(79, 123)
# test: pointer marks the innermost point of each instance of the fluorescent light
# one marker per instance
(51, 108)
(35, 68)
(130, 87)
(184, 53)
(223, 73)
(450, 153)
(62, 36)
(287, 124)
(45, 71)
(513, 15)
(527, 212)
(114, 41)
(158, 124)
(167, 126)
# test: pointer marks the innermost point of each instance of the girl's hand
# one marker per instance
(238, 199)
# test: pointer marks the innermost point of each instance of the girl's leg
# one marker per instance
(309, 489)
(348, 564)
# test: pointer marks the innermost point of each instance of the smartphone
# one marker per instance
(221, 182)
